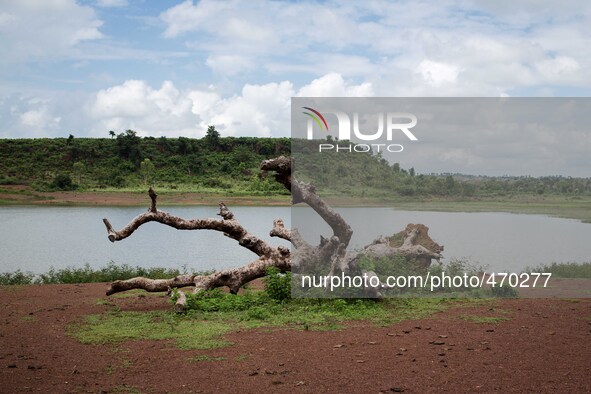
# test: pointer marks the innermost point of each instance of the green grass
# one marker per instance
(117, 327)
(110, 369)
(552, 205)
(204, 357)
(137, 293)
(203, 329)
(484, 319)
(126, 389)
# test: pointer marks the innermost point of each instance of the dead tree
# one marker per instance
(415, 245)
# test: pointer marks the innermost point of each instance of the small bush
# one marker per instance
(63, 182)
(6, 180)
(16, 278)
(87, 274)
(109, 273)
(217, 301)
(564, 270)
(277, 284)
(504, 291)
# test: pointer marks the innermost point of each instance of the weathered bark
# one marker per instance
(234, 279)
(228, 225)
(306, 193)
(416, 244)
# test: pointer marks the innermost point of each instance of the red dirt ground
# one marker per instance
(544, 346)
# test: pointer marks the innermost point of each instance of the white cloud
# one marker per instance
(136, 105)
(448, 48)
(437, 74)
(259, 110)
(45, 29)
(185, 17)
(558, 68)
(40, 120)
(333, 85)
(230, 65)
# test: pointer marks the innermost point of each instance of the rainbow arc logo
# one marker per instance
(317, 116)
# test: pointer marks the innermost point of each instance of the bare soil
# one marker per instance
(543, 346)
(19, 194)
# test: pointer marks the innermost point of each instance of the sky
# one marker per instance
(171, 68)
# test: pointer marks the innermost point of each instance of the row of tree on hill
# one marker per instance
(229, 164)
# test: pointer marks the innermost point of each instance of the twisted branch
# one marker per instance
(228, 225)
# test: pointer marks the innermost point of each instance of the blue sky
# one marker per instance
(171, 67)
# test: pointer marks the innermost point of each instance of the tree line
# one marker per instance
(231, 165)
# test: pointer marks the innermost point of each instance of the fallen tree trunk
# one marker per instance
(234, 279)
(415, 245)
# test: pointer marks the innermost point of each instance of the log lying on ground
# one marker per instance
(416, 245)
(234, 279)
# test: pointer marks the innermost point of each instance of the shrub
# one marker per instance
(63, 182)
(277, 284)
(504, 291)
(16, 278)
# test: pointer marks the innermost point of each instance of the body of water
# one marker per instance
(35, 238)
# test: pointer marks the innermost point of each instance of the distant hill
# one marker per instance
(221, 165)
(129, 161)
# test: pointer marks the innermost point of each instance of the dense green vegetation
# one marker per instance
(231, 166)
(564, 270)
(129, 161)
(370, 175)
(86, 274)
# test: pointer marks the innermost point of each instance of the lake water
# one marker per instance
(35, 238)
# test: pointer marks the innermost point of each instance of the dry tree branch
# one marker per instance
(306, 193)
(228, 225)
(332, 250)
(233, 278)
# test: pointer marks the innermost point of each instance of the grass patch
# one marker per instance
(210, 314)
(102, 301)
(28, 318)
(204, 357)
(551, 205)
(117, 327)
(137, 293)
(484, 319)
(126, 389)
(564, 270)
(203, 329)
(110, 369)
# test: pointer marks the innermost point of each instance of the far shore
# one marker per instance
(551, 205)
(116, 198)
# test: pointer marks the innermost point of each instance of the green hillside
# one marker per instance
(231, 165)
(370, 175)
(128, 161)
